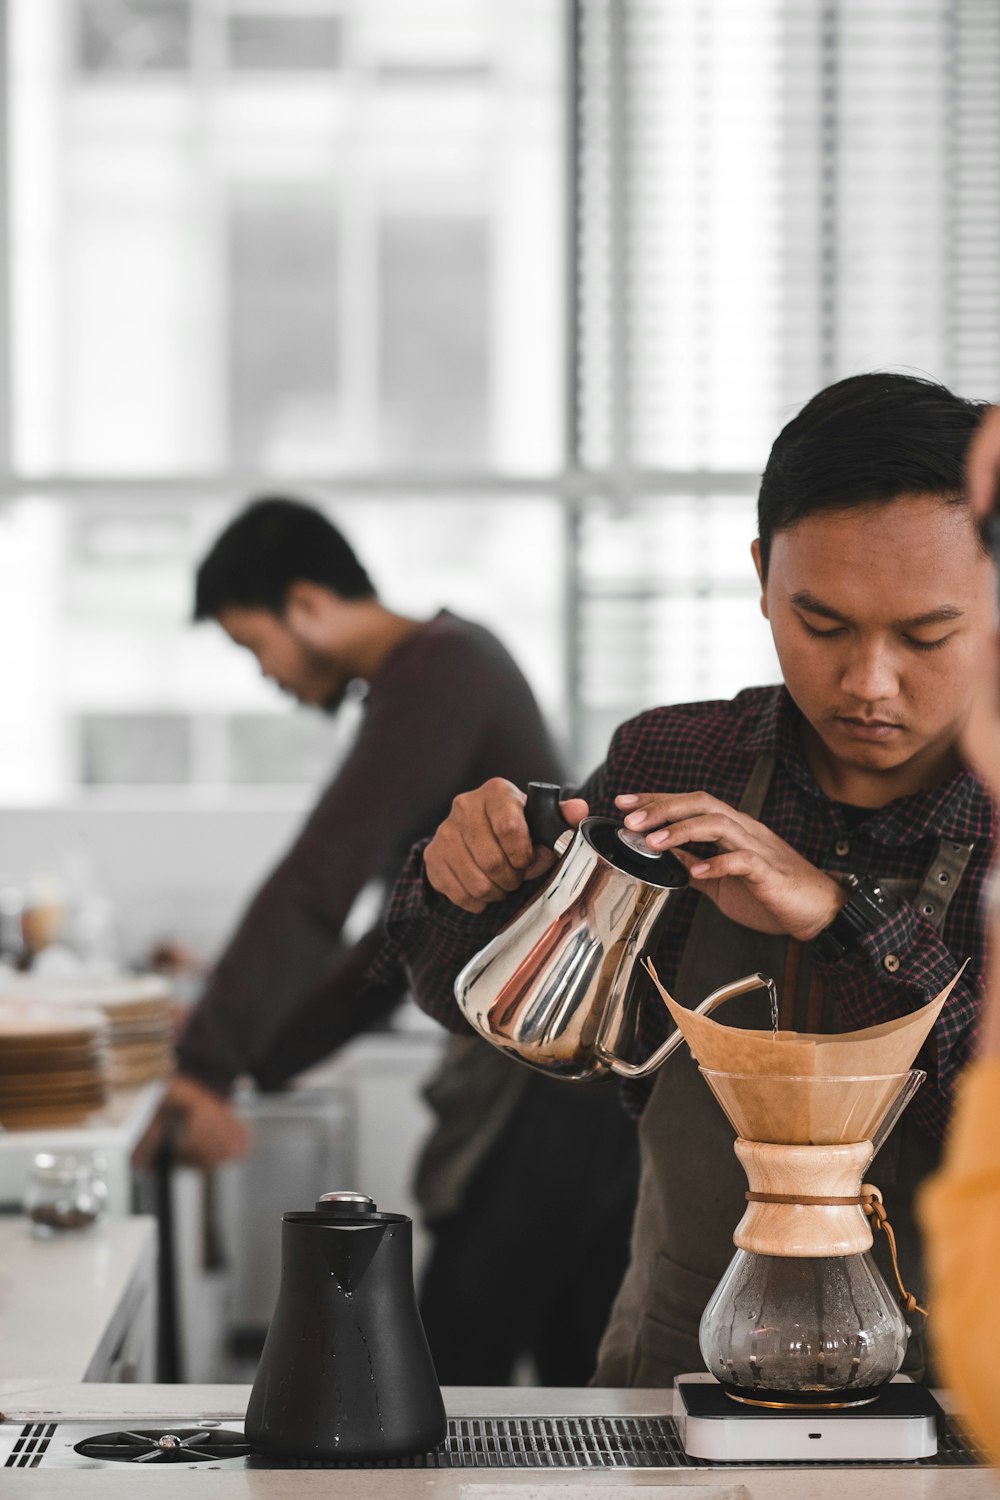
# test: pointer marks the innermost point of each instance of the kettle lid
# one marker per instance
(628, 851)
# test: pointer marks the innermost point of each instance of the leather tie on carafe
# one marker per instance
(870, 1199)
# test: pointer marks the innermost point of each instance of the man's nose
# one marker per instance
(871, 674)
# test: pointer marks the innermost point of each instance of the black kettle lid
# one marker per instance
(346, 1204)
(630, 853)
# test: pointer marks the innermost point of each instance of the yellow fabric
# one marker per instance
(959, 1211)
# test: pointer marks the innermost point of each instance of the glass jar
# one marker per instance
(65, 1190)
(803, 1331)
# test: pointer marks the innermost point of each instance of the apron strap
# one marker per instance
(758, 786)
(801, 996)
(941, 880)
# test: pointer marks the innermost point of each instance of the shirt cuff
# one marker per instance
(458, 923)
(203, 1055)
(884, 948)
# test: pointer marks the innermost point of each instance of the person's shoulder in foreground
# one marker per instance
(960, 1218)
(960, 1206)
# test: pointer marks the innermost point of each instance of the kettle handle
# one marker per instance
(546, 823)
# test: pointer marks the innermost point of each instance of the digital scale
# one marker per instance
(900, 1425)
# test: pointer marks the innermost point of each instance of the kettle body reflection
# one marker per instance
(346, 1372)
(560, 987)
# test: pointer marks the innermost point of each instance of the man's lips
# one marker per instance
(868, 729)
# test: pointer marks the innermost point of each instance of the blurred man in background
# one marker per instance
(446, 707)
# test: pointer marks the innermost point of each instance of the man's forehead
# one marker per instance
(908, 559)
(921, 508)
(908, 524)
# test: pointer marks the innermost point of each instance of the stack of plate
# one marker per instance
(140, 1035)
(137, 1011)
(51, 1065)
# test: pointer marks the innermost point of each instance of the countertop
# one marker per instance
(145, 1403)
(65, 1300)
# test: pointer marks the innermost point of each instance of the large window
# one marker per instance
(520, 291)
(314, 246)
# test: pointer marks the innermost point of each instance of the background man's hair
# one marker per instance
(272, 544)
(864, 441)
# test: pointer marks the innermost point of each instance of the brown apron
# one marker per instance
(473, 1094)
(691, 1188)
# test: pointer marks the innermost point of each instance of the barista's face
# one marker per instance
(286, 656)
(877, 615)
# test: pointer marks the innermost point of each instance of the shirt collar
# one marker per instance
(960, 808)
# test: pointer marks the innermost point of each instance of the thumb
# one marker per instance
(574, 810)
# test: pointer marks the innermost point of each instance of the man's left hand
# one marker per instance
(756, 879)
(212, 1131)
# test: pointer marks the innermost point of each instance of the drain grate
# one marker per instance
(623, 1442)
(604, 1443)
(31, 1447)
(538, 1443)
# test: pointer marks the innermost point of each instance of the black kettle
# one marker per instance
(345, 1372)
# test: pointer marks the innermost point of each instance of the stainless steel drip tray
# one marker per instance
(595, 1442)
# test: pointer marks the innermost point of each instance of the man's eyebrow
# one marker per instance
(940, 616)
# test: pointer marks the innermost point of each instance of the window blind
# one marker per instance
(774, 194)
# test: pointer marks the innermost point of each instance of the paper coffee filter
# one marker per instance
(804, 1111)
(884, 1049)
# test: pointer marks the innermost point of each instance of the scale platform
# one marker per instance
(900, 1426)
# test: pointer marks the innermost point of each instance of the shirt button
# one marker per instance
(890, 962)
(842, 847)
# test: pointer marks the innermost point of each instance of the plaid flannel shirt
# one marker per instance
(713, 747)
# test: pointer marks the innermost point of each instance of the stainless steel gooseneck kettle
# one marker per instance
(345, 1372)
(560, 987)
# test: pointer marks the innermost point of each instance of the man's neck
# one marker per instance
(382, 632)
(860, 786)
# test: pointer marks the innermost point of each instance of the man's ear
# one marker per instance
(304, 602)
(307, 613)
(759, 565)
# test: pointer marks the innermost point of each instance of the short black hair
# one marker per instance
(270, 545)
(864, 441)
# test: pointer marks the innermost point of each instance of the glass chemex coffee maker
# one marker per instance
(803, 1335)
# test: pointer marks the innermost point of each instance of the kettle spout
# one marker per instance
(711, 1002)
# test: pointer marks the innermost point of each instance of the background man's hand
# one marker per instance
(756, 878)
(212, 1131)
(483, 851)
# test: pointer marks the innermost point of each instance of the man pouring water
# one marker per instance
(831, 834)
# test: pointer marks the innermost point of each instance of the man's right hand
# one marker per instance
(483, 850)
(212, 1130)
